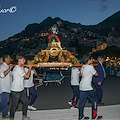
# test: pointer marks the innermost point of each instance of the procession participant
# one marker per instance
(98, 81)
(86, 90)
(30, 87)
(75, 86)
(18, 92)
(5, 84)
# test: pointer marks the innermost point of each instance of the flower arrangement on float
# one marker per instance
(38, 58)
(64, 57)
(71, 58)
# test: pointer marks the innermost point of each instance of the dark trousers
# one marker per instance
(76, 94)
(83, 97)
(33, 92)
(99, 92)
(4, 103)
(16, 97)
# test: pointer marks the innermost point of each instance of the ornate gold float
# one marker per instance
(54, 49)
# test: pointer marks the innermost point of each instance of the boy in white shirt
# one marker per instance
(75, 86)
(86, 90)
(5, 84)
(30, 87)
(17, 89)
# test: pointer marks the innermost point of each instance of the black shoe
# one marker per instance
(97, 118)
(83, 118)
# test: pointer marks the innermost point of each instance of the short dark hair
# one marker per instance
(100, 58)
(5, 56)
(87, 57)
(19, 56)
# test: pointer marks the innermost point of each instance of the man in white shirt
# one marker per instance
(17, 89)
(75, 86)
(86, 90)
(5, 84)
(30, 87)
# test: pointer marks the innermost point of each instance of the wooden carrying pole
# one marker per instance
(49, 65)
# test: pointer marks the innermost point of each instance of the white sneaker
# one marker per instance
(27, 118)
(31, 108)
(73, 107)
(70, 103)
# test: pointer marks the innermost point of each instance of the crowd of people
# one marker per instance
(83, 90)
(17, 81)
(19, 84)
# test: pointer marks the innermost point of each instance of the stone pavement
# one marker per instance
(111, 112)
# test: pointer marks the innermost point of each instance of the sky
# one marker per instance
(15, 15)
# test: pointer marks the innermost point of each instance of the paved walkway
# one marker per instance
(111, 112)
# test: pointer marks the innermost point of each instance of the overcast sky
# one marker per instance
(15, 15)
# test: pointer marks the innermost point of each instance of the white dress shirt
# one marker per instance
(18, 79)
(5, 81)
(87, 72)
(75, 76)
(28, 82)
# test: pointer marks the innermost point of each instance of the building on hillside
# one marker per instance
(113, 38)
(100, 47)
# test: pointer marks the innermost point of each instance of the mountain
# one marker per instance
(16, 43)
(106, 26)
(102, 28)
(31, 29)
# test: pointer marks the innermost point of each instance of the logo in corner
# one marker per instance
(10, 10)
